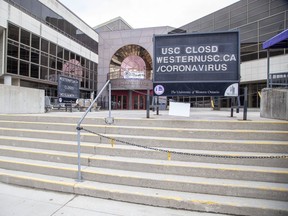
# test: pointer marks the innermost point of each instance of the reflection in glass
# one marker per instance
(131, 62)
(12, 65)
(24, 68)
(13, 32)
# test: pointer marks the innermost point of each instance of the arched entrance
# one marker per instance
(131, 75)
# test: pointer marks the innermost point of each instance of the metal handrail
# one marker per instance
(78, 128)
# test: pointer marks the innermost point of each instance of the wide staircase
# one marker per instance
(228, 167)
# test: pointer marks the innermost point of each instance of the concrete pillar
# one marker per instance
(130, 100)
(16, 82)
(7, 80)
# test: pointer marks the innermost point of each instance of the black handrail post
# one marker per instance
(245, 104)
(148, 104)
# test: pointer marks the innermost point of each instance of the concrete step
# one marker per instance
(256, 145)
(214, 133)
(41, 151)
(155, 197)
(251, 189)
(170, 123)
(209, 170)
(121, 150)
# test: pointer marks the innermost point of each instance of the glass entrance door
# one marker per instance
(119, 102)
(139, 102)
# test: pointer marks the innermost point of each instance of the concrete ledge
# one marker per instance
(274, 103)
(16, 99)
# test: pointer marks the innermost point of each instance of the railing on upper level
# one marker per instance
(129, 75)
(278, 80)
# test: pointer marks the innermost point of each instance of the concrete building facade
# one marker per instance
(126, 59)
(40, 40)
(256, 21)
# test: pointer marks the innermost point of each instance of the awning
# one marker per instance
(278, 41)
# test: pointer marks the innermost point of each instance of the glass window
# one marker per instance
(276, 52)
(13, 49)
(13, 32)
(35, 56)
(52, 62)
(52, 49)
(249, 48)
(34, 71)
(249, 57)
(91, 66)
(24, 68)
(61, 22)
(83, 83)
(12, 65)
(59, 64)
(18, 2)
(35, 41)
(25, 37)
(53, 18)
(73, 31)
(44, 73)
(45, 13)
(59, 52)
(82, 61)
(52, 75)
(24, 53)
(44, 59)
(66, 54)
(263, 54)
(44, 45)
(27, 4)
(87, 63)
(36, 9)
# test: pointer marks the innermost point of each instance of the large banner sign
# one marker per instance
(68, 89)
(202, 64)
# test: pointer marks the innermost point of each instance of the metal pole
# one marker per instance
(79, 179)
(245, 104)
(157, 106)
(238, 104)
(109, 100)
(232, 109)
(268, 68)
(148, 104)
(78, 128)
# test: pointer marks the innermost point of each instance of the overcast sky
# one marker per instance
(144, 13)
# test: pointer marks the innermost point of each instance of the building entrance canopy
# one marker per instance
(278, 41)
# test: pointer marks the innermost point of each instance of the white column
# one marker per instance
(7, 80)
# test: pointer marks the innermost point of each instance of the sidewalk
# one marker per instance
(21, 201)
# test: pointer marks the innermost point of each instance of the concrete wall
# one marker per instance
(16, 99)
(274, 103)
